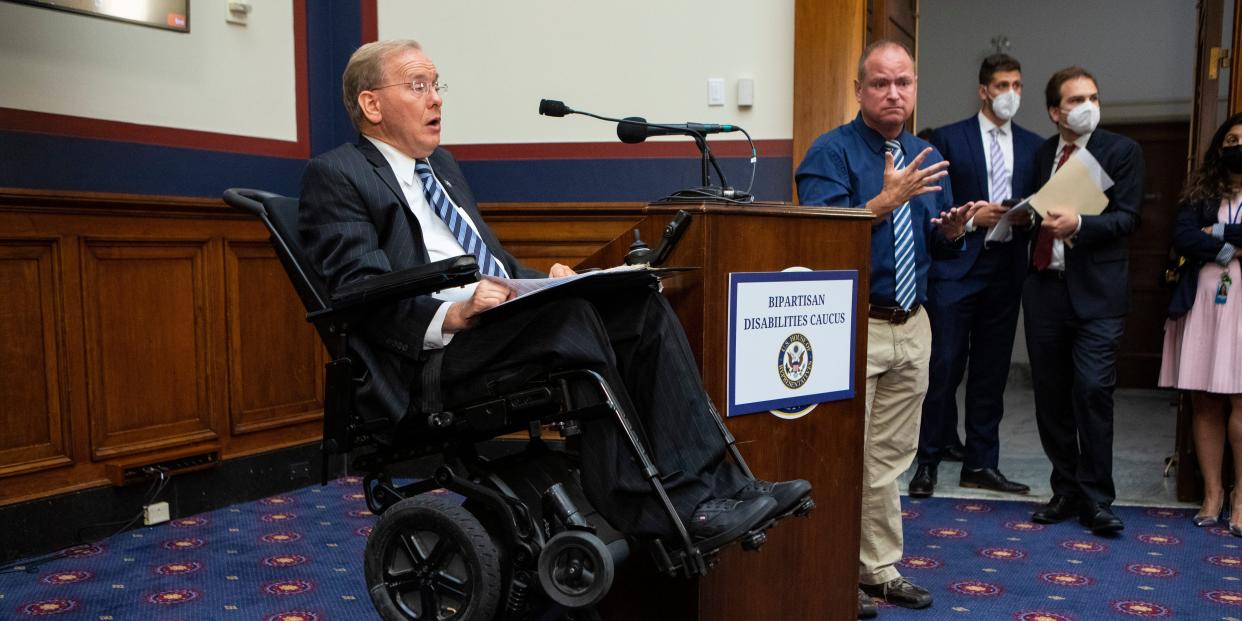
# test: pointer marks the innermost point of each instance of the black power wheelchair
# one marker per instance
(525, 543)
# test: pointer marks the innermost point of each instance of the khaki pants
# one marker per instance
(897, 365)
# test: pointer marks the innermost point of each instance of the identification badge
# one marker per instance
(1222, 291)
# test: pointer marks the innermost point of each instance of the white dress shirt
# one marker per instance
(1058, 246)
(1005, 138)
(440, 242)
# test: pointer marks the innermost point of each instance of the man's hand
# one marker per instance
(1061, 225)
(902, 185)
(952, 223)
(463, 315)
(558, 271)
(989, 214)
(1022, 218)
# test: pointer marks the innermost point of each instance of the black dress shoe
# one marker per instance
(787, 494)
(900, 592)
(721, 520)
(991, 478)
(924, 481)
(1059, 509)
(1101, 520)
(866, 606)
(953, 451)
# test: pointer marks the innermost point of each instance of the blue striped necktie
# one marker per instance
(465, 234)
(903, 239)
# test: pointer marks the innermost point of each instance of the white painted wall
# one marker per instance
(647, 58)
(218, 78)
(1140, 51)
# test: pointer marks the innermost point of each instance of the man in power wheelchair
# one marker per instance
(420, 369)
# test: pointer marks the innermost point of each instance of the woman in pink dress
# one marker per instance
(1203, 337)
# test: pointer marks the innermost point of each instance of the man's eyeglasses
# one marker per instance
(419, 88)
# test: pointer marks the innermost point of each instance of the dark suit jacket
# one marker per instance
(355, 224)
(1198, 247)
(961, 144)
(1097, 267)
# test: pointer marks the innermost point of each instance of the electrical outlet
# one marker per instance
(155, 513)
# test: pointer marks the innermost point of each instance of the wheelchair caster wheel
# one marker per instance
(804, 507)
(430, 559)
(753, 540)
(575, 569)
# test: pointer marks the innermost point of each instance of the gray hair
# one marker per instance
(365, 71)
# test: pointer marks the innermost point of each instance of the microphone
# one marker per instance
(552, 107)
(636, 129)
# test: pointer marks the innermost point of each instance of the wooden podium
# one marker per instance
(808, 570)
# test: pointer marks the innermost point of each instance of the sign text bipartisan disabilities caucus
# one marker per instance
(791, 340)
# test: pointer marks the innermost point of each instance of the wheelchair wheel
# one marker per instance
(575, 569)
(428, 559)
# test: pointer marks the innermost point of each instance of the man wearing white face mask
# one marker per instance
(973, 297)
(1074, 302)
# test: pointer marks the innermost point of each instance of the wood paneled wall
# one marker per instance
(133, 327)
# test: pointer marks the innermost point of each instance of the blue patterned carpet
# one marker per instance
(297, 557)
(986, 560)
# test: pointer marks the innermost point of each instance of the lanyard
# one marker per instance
(1234, 215)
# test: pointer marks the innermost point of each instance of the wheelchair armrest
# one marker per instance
(429, 278)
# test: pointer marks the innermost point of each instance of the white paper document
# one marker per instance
(1002, 231)
(524, 288)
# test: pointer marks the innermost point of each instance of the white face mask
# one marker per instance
(1083, 118)
(1005, 105)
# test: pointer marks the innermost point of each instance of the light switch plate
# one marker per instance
(745, 92)
(715, 91)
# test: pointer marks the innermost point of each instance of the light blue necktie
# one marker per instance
(1000, 176)
(465, 234)
(903, 239)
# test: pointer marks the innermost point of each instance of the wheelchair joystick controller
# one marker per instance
(640, 253)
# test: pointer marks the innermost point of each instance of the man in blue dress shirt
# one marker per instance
(874, 163)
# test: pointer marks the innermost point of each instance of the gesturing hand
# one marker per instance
(902, 185)
(953, 222)
(463, 315)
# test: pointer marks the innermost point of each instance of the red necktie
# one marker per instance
(1043, 241)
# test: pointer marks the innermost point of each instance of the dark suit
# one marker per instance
(355, 223)
(1074, 321)
(972, 303)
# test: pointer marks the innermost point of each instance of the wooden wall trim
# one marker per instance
(147, 325)
(828, 36)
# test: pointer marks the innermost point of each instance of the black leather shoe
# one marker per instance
(720, 520)
(953, 451)
(1101, 520)
(924, 482)
(1059, 509)
(866, 606)
(787, 494)
(991, 478)
(900, 592)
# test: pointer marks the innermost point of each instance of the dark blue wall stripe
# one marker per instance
(615, 180)
(40, 161)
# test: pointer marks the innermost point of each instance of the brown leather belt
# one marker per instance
(892, 314)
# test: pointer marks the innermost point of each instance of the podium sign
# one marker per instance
(791, 339)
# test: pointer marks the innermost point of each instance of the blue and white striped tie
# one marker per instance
(903, 239)
(1000, 176)
(465, 234)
